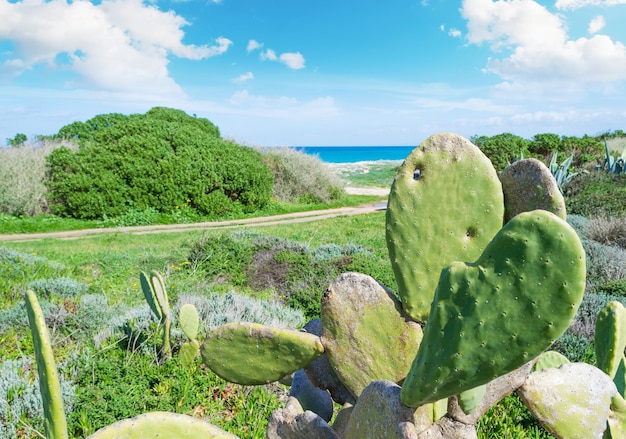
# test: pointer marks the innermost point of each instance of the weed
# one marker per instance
(607, 230)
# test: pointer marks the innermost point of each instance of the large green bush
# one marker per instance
(163, 159)
(502, 149)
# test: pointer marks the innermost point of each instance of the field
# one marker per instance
(107, 344)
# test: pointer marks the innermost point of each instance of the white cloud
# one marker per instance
(596, 25)
(115, 45)
(454, 33)
(253, 45)
(269, 54)
(577, 4)
(243, 78)
(283, 107)
(535, 47)
(292, 60)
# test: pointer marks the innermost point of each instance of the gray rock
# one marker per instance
(294, 423)
(310, 397)
(321, 373)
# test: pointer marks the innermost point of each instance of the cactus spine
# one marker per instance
(49, 384)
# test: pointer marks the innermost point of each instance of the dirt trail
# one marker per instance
(289, 218)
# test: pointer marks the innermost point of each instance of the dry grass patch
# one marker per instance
(607, 230)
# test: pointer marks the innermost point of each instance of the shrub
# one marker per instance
(162, 160)
(612, 287)
(502, 149)
(604, 263)
(218, 309)
(607, 230)
(63, 287)
(299, 177)
(596, 194)
(22, 175)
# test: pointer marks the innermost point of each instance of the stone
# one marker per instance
(294, 423)
(310, 397)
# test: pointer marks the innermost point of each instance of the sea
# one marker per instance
(354, 154)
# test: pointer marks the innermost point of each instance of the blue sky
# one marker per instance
(324, 72)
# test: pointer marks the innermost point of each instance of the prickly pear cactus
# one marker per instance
(154, 291)
(155, 425)
(190, 324)
(445, 205)
(486, 316)
(249, 353)
(610, 342)
(49, 383)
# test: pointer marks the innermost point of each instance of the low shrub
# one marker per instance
(604, 263)
(299, 177)
(22, 175)
(607, 230)
(596, 194)
(612, 287)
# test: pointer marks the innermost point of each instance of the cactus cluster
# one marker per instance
(154, 291)
(146, 426)
(489, 274)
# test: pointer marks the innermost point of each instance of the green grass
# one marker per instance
(10, 224)
(375, 174)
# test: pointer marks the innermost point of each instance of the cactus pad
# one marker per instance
(250, 353)
(189, 351)
(610, 337)
(446, 204)
(49, 383)
(189, 320)
(161, 425)
(550, 359)
(366, 334)
(496, 314)
(529, 185)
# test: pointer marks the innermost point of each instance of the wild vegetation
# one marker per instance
(106, 340)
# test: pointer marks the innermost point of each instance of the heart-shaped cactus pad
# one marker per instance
(491, 316)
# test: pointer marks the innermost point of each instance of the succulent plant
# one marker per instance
(146, 426)
(490, 298)
(154, 291)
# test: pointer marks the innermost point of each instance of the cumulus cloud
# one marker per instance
(577, 4)
(243, 78)
(596, 25)
(253, 45)
(283, 107)
(116, 45)
(293, 60)
(534, 45)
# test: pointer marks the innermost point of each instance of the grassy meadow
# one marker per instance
(106, 342)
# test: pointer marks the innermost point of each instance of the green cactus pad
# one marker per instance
(529, 185)
(189, 320)
(449, 212)
(148, 292)
(55, 422)
(617, 419)
(496, 314)
(610, 337)
(158, 286)
(155, 425)
(189, 351)
(251, 354)
(469, 400)
(366, 334)
(550, 359)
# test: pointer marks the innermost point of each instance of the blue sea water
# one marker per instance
(352, 154)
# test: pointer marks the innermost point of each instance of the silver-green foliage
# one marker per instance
(217, 309)
(298, 176)
(20, 399)
(64, 287)
(22, 175)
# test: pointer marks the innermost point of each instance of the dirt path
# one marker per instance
(289, 218)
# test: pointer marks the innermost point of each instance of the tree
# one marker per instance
(502, 149)
(18, 140)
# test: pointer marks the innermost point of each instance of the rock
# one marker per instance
(571, 402)
(294, 423)
(310, 397)
(366, 334)
(321, 373)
